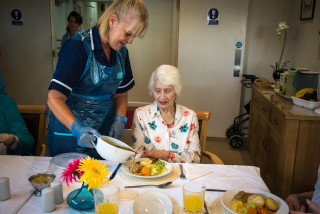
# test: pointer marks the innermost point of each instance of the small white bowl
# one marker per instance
(113, 150)
(305, 103)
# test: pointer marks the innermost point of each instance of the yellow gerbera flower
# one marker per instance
(95, 172)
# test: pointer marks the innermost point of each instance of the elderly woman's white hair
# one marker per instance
(166, 75)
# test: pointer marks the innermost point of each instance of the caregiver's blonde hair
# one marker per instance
(125, 9)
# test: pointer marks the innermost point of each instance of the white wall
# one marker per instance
(26, 62)
(263, 45)
(154, 49)
(305, 39)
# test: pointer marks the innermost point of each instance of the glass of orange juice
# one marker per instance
(193, 197)
(106, 199)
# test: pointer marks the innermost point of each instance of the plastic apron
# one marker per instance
(91, 101)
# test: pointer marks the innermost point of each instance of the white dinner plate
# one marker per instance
(152, 202)
(126, 165)
(227, 197)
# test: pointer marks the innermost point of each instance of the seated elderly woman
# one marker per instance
(15, 138)
(164, 129)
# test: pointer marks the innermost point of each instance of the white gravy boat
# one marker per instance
(113, 149)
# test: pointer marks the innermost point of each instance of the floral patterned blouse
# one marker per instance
(181, 139)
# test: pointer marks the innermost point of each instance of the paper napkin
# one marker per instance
(194, 171)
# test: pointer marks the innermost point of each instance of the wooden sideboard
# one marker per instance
(284, 141)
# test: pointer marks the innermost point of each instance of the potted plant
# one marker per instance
(280, 66)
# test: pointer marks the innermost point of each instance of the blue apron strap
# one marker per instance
(104, 97)
(62, 134)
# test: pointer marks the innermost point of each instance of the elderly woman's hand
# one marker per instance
(163, 155)
(6, 138)
(9, 140)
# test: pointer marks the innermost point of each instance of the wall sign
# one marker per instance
(213, 16)
(238, 44)
(17, 17)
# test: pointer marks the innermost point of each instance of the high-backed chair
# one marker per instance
(35, 119)
(203, 118)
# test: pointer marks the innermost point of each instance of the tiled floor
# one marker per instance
(221, 147)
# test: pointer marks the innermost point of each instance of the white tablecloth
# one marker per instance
(20, 168)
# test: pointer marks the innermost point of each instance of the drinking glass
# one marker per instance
(193, 197)
(106, 199)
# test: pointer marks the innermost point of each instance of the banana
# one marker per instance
(302, 92)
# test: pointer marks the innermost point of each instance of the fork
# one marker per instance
(182, 175)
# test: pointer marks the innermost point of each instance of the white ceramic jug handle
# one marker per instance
(93, 141)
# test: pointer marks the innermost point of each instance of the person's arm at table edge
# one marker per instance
(56, 102)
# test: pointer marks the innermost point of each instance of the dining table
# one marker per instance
(19, 168)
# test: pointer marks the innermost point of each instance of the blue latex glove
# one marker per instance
(117, 128)
(84, 134)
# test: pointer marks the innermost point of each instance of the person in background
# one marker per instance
(74, 23)
(15, 138)
(301, 203)
(3, 88)
(164, 129)
(88, 94)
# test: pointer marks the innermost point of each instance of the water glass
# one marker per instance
(106, 199)
(193, 197)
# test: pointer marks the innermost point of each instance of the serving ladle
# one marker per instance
(164, 185)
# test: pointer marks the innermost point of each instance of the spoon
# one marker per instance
(164, 185)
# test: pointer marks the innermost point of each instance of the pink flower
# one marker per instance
(71, 172)
(186, 113)
(171, 156)
(157, 139)
(192, 127)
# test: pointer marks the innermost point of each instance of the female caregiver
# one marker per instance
(88, 92)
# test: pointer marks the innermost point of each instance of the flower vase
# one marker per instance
(81, 199)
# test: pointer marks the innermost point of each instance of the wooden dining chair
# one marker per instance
(132, 106)
(35, 119)
(203, 118)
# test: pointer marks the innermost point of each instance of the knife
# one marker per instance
(205, 208)
(115, 172)
(216, 190)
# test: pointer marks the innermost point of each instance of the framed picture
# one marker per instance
(307, 9)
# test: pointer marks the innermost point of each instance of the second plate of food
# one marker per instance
(126, 168)
(257, 196)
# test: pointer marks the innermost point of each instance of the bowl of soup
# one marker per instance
(113, 149)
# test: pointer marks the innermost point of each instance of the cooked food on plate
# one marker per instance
(252, 203)
(148, 167)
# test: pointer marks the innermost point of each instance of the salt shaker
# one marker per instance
(47, 200)
(4, 188)
(57, 187)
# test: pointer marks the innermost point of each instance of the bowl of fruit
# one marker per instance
(307, 98)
